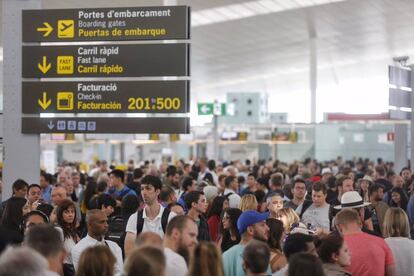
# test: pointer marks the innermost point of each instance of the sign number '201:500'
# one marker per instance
(154, 103)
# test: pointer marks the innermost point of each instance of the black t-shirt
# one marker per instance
(332, 197)
(9, 237)
(227, 242)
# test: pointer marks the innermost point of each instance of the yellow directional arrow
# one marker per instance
(44, 67)
(44, 103)
(47, 29)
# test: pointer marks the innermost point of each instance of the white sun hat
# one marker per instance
(351, 200)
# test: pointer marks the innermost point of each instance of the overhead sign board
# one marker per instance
(106, 97)
(399, 98)
(32, 125)
(134, 23)
(399, 115)
(399, 76)
(95, 72)
(140, 60)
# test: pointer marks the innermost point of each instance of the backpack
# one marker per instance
(228, 195)
(164, 220)
(116, 230)
(305, 205)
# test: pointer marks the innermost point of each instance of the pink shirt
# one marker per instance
(369, 254)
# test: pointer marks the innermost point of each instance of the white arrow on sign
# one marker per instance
(50, 125)
(204, 108)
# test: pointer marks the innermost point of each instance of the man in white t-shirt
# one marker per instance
(153, 218)
(317, 214)
(179, 242)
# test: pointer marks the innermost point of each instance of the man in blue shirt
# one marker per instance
(188, 185)
(118, 189)
(46, 185)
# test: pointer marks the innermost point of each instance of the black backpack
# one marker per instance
(227, 196)
(116, 230)
(164, 220)
(305, 205)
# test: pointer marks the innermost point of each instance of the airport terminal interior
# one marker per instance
(207, 137)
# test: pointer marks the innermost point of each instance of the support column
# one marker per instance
(412, 120)
(215, 138)
(21, 151)
(400, 147)
(313, 78)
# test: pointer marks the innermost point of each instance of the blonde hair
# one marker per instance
(396, 223)
(290, 215)
(347, 216)
(206, 261)
(248, 202)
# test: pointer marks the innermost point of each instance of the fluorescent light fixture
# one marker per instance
(406, 109)
(405, 88)
(393, 86)
(47, 115)
(250, 9)
(391, 107)
(144, 142)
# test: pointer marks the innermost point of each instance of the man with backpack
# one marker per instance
(153, 218)
(118, 189)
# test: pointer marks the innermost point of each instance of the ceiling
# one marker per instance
(270, 52)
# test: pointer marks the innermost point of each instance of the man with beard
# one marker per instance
(407, 176)
(378, 206)
(153, 218)
(196, 203)
(251, 225)
(172, 178)
(179, 242)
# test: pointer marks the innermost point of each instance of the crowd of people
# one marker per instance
(207, 218)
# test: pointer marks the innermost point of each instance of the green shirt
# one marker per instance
(233, 261)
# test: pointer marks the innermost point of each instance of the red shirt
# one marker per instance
(213, 227)
(369, 254)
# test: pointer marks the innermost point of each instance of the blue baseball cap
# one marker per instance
(248, 218)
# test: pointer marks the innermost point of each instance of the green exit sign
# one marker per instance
(218, 109)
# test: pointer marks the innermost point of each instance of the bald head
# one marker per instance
(148, 239)
(97, 222)
(93, 215)
(58, 195)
